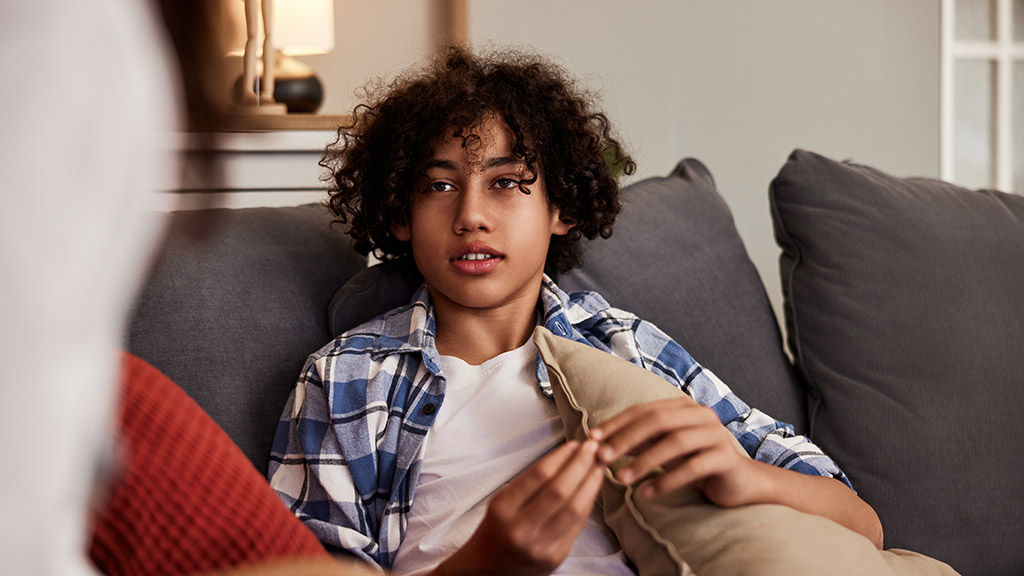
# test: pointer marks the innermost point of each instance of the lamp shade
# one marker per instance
(305, 26)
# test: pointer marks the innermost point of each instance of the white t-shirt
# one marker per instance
(493, 424)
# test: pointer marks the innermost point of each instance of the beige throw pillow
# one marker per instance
(681, 532)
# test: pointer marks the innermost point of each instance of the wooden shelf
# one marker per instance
(285, 122)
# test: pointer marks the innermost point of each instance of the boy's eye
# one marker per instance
(506, 183)
(439, 186)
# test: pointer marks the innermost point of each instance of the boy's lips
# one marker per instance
(475, 259)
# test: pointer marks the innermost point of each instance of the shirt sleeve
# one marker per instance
(764, 438)
(310, 473)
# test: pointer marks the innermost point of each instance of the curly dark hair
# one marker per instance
(378, 160)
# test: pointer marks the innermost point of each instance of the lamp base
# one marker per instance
(295, 85)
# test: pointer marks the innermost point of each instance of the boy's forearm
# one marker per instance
(819, 495)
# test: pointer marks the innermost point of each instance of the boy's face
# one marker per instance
(479, 241)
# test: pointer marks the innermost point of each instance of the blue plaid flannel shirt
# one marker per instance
(347, 453)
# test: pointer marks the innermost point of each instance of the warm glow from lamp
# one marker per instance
(305, 27)
(301, 27)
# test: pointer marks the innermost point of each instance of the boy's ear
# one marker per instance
(559, 227)
(401, 231)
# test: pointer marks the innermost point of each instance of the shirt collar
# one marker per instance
(411, 329)
(557, 317)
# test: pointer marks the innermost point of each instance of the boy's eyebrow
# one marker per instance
(443, 164)
(490, 163)
(500, 161)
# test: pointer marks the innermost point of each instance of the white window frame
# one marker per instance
(1004, 53)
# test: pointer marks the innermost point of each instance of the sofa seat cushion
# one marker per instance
(904, 301)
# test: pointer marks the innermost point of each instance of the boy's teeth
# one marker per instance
(475, 256)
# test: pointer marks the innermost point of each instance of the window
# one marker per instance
(983, 93)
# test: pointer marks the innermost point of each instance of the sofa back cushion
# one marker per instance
(676, 259)
(236, 301)
(904, 301)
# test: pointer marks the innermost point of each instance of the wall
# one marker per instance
(736, 83)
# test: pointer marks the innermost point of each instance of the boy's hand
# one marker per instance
(688, 441)
(532, 523)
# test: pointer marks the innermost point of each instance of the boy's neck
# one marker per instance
(475, 336)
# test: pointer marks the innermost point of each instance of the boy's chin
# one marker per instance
(480, 295)
(465, 298)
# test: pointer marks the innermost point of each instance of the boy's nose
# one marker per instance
(471, 212)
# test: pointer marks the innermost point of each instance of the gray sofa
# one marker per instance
(904, 304)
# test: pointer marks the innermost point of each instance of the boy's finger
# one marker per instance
(647, 427)
(638, 412)
(571, 519)
(671, 448)
(700, 467)
(525, 486)
(612, 425)
(562, 488)
(557, 535)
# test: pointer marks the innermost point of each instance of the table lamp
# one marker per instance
(299, 28)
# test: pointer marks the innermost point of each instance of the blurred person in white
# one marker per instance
(89, 100)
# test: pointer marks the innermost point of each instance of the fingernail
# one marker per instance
(607, 454)
(590, 446)
(597, 434)
(626, 475)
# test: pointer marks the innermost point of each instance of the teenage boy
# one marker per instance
(426, 441)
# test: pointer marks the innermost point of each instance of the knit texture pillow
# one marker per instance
(186, 499)
(306, 566)
(681, 532)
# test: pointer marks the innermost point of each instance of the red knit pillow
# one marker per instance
(186, 499)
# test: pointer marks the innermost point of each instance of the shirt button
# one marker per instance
(430, 408)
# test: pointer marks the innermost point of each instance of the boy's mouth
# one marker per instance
(478, 259)
(472, 256)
